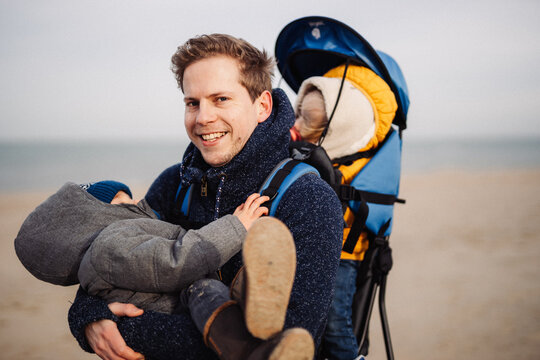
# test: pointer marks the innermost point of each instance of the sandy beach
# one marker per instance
(464, 284)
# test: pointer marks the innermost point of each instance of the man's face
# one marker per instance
(220, 116)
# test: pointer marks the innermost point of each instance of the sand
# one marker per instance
(465, 282)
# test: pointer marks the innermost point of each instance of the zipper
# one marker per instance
(204, 187)
(219, 274)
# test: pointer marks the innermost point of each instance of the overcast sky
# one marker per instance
(100, 69)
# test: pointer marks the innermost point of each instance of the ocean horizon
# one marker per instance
(29, 166)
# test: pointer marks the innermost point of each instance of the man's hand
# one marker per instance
(105, 339)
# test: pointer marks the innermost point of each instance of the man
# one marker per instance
(239, 131)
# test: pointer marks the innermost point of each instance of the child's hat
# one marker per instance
(106, 190)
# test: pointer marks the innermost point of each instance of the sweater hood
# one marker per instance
(243, 175)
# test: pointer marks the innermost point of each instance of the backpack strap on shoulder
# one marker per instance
(183, 198)
(279, 180)
(317, 157)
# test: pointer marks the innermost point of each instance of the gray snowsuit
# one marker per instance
(121, 252)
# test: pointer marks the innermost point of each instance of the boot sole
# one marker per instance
(297, 344)
(270, 262)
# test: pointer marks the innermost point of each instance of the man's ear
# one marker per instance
(264, 106)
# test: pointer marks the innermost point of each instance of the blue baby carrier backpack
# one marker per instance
(311, 46)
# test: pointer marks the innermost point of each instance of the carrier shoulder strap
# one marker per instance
(183, 198)
(275, 185)
(281, 178)
(182, 209)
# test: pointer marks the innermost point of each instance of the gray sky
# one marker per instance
(100, 69)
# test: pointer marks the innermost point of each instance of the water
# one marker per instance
(36, 166)
(470, 154)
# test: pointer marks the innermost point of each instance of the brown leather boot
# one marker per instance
(291, 344)
(263, 286)
(226, 333)
(237, 290)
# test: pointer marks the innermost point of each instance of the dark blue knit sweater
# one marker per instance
(309, 208)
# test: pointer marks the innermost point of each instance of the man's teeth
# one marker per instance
(208, 137)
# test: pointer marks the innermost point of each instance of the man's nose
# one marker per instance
(206, 114)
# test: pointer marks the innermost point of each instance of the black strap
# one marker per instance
(356, 229)
(179, 218)
(321, 138)
(348, 193)
(275, 183)
(349, 159)
(181, 195)
(384, 258)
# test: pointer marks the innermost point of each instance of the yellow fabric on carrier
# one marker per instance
(385, 106)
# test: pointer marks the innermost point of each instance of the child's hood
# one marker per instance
(377, 92)
(364, 113)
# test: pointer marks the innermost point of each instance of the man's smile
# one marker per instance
(213, 136)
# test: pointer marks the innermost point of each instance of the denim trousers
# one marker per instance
(202, 298)
(339, 339)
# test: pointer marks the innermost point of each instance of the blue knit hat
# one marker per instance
(106, 190)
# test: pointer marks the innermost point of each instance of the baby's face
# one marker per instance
(311, 118)
(123, 198)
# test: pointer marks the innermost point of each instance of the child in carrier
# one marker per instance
(361, 119)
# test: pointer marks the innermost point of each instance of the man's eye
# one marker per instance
(192, 103)
(222, 98)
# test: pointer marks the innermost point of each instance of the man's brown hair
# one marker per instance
(256, 67)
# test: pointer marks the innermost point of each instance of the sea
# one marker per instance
(34, 166)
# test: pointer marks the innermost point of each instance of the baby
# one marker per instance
(311, 117)
(360, 121)
(97, 235)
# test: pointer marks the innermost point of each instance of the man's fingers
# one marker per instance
(121, 309)
(107, 342)
(127, 353)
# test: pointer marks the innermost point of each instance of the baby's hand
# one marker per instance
(251, 210)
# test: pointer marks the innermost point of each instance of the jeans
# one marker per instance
(339, 339)
(202, 298)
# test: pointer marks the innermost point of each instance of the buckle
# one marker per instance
(270, 192)
(345, 192)
(381, 241)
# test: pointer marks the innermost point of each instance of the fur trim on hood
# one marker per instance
(378, 93)
(364, 114)
(353, 123)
